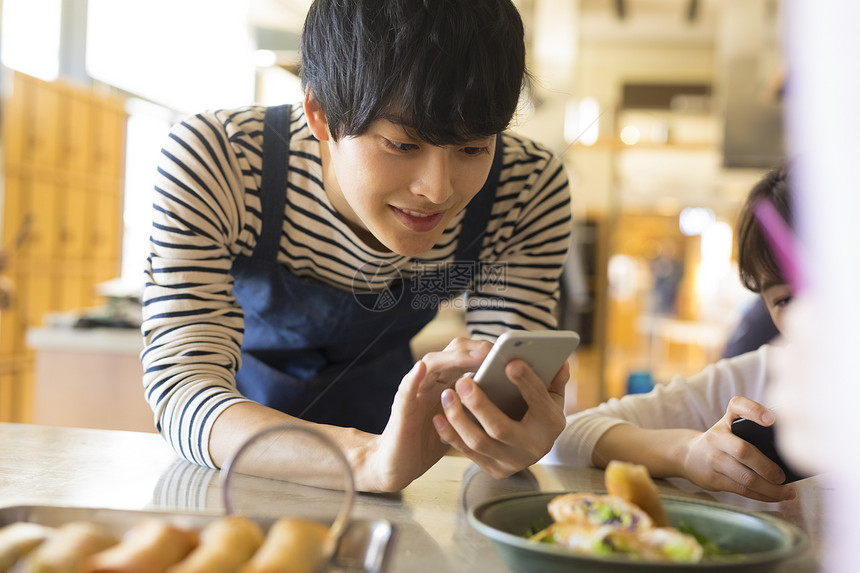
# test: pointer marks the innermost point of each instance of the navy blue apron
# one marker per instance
(321, 353)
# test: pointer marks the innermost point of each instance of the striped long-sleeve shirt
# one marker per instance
(206, 212)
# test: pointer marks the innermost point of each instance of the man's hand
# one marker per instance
(499, 445)
(409, 444)
(461, 357)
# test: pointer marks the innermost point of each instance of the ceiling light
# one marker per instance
(265, 58)
(630, 135)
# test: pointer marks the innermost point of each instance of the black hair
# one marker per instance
(447, 71)
(756, 264)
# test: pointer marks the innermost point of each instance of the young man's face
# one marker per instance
(400, 193)
(776, 298)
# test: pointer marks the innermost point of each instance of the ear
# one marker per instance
(317, 121)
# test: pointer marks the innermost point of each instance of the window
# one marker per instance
(187, 55)
(30, 37)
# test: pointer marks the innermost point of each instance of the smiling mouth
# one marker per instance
(416, 220)
(416, 213)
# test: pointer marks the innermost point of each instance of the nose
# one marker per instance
(434, 180)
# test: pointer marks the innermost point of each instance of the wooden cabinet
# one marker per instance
(75, 363)
(63, 149)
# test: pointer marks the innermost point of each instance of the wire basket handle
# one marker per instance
(229, 470)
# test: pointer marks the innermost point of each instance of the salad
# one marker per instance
(629, 520)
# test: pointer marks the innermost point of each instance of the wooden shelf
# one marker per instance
(63, 170)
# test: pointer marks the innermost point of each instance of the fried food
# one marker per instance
(633, 483)
(150, 547)
(18, 539)
(67, 548)
(232, 544)
(629, 521)
(225, 545)
(581, 508)
(292, 546)
(650, 544)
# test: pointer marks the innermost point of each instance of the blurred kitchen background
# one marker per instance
(665, 113)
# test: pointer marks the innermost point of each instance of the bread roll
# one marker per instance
(18, 539)
(292, 546)
(225, 545)
(66, 550)
(633, 483)
(150, 547)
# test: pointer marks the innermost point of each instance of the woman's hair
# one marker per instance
(448, 71)
(756, 264)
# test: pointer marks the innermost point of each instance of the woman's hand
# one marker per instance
(499, 445)
(719, 460)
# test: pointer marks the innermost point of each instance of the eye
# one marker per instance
(400, 147)
(476, 150)
(778, 300)
(782, 301)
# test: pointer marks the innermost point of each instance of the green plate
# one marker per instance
(751, 542)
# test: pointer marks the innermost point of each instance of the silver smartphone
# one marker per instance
(544, 350)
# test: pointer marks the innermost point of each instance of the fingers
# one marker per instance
(406, 398)
(412, 381)
(770, 494)
(726, 462)
(462, 355)
(562, 377)
(491, 420)
(488, 448)
(740, 407)
(464, 427)
(544, 406)
(455, 423)
(498, 444)
(716, 469)
(469, 439)
(749, 456)
(532, 388)
(468, 344)
(745, 481)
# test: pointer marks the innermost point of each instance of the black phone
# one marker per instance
(764, 438)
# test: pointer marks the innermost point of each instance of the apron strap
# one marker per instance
(474, 225)
(273, 182)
